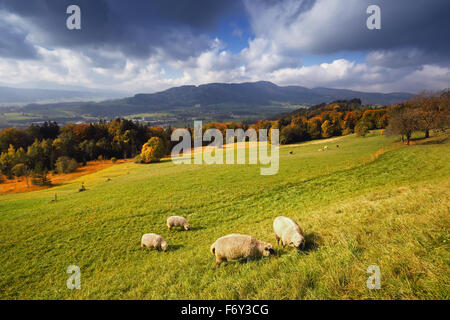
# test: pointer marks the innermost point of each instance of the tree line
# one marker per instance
(39, 149)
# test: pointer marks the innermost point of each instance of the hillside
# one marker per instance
(257, 93)
(210, 102)
(372, 201)
(11, 96)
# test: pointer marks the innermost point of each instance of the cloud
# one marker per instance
(13, 40)
(147, 46)
(134, 27)
(327, 26)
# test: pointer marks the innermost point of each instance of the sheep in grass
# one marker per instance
(288, 231)
(325, 148)
(152, 240)
(239, 246)
(177, 221)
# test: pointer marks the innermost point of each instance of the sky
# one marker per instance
(139, 46)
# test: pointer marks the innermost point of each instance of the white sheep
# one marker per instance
(325, 148)
(152, 240)
(177, 221)
(239, 246)
(288, 231)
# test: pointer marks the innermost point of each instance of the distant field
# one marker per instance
(372, 201)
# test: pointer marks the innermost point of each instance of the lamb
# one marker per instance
(177, 221)
(288, 231)
(239, 246)
(152, 240)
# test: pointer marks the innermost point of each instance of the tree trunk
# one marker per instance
(427, 133)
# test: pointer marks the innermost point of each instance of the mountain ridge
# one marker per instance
(261, 92)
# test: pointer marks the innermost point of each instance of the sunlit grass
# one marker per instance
(357, 205)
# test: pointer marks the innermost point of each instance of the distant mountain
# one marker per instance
(181, 105)
(257, 93)
(22, 96)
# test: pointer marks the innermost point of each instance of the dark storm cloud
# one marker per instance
(13, 43)
(135, 27)
(330, 26)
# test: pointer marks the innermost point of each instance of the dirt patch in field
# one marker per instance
(20, 185)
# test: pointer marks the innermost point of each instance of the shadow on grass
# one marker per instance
(440, 140)
(197, 228)
(174, 247)
(313, 241)
(181, 229)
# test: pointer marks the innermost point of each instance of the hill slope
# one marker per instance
(257, 93)
(210, 102)
(370, 202)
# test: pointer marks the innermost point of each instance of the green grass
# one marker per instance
(356, 210)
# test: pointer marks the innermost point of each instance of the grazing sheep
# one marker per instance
(239, 246)
(320, 150)
(83, 188)
(325, 148)
(177, 221)
(288, 231)
(151, 240)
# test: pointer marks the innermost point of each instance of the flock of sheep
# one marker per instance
(326, 148)
(236, 246)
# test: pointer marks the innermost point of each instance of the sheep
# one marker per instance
(239, 246)
(151, 240)
(325, 148)
(320, 150)
(288, 231)
(177, 221)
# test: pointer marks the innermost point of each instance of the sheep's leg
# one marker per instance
(278, 240)
(218, 262)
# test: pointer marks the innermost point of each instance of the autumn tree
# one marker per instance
(327, 129)
(21, 170)
(153, 150)
(315, 127)
(362, 129)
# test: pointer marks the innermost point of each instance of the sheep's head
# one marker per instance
(268, 250)
(164, 246)
(187, 226)
(298, 241)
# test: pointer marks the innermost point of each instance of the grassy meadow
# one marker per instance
(373, 201)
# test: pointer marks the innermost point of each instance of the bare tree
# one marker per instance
(403, 120)
(443, 121)
(427, 105)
